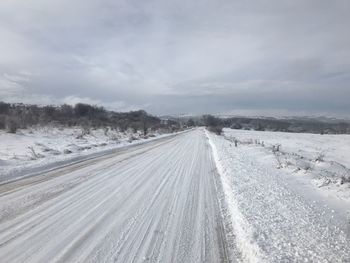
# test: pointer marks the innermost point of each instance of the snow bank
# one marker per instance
(275, 216)
(37, 147)
(242, 230)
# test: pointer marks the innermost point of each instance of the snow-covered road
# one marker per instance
(152, 203)
(164, 201)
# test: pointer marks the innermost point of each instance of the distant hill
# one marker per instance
(321, 125)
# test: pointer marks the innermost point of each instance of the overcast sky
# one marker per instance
(262, 57)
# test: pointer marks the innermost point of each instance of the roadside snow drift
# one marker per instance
(276, 217)
(40, 146)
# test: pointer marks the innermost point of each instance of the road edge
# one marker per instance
(248, 250)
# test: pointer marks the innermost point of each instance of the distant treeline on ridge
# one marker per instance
(15, 116)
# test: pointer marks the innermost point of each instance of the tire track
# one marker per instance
(157, 203)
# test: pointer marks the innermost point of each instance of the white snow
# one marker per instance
(285, 219)
(154, 202)
(158, 202)
(323, 160)
(334, 147)
(242, 231)
(40, 146)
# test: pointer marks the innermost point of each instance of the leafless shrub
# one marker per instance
(12, 124)
(345, 179)
(55, 152)
(215, 129)
(105, 131)
(213, 124)
(279, 162)
(325, 182)
(67, 151)
(2, 122)
(320, 157)
(276, 148)
(86, 129)
(114, 137)
(82, 148)
(307, 166)
(34, 155)
(46, 149)
(132, 138)
(288, 163)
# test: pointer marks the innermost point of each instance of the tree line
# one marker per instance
(15, 116)
(216, 124)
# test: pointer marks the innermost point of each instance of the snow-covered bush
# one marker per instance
(320, 157)
(345, 179)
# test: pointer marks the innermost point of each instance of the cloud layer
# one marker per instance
(174, 57)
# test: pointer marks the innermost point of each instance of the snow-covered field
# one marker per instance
(40, 146)
(323, 159)
(277, 213)
(334, 147)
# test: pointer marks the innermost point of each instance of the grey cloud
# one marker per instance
(170, 57)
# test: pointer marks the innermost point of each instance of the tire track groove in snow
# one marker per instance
(156, 204)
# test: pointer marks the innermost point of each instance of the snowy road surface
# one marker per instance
(153, 203)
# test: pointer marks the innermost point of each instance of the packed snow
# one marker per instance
(154, 202)
(275, 216)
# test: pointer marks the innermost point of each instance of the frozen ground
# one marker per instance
(275, 216)
(36, 148)
(334, 147)
(323, 160)
(155, 202)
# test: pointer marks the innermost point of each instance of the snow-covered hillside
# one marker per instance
(39, 146)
